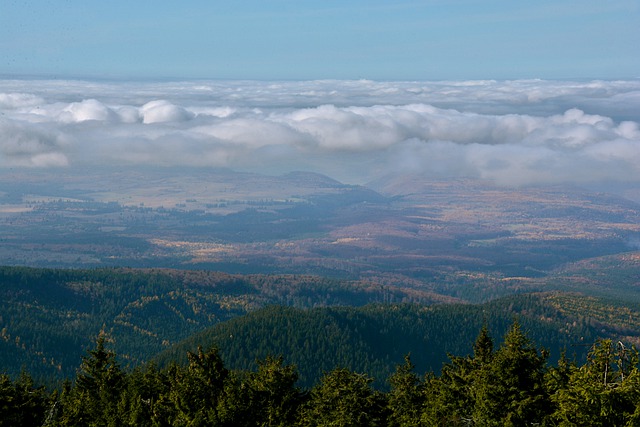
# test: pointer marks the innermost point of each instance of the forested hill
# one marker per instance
(509, 384)
(375, 338)
(49, 317)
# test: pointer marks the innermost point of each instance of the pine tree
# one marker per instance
(196, 391)
(483, 347)
(405, 399)
(452, 398)
(145, 403)
(344, 399)
(603, 392)
(511, 391)
(275, 394)
(21, 403)
(93, 400)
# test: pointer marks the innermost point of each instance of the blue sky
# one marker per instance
(301, 39)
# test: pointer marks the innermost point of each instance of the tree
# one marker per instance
(406, 396)
(93, 400)
(501, 388)
(483, 347)
(511, 391)
(145, 402)
(344, 399)
(21, 404)
(196, 391)
(452, 398)
(603, 392)
(275, 394)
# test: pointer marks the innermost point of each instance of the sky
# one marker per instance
(308, 40)
(518, 93)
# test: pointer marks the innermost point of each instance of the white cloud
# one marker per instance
(9, 101)
(86, 110)
(514, 132)
(161, 111)
(30, 145)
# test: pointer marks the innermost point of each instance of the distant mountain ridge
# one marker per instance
(312, 179)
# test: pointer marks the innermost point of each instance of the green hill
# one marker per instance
(49, 317)
(375, 338)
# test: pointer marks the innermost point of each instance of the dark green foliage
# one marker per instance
(603, 392)
(483, 347)
(502, 388)
(93, 401)
(374, 338)
(48, 317)
(346, 399)
(21, 403)
(145, 402)
(197, 390)
(509, 386)
(405, 399)
(511, 390)
(274, 392)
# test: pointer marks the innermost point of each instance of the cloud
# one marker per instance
(86, 110)
(513, 132)
(30, 145)
(161, 111)
(10, 101)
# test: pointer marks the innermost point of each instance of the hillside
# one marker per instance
(49, 317)
(614, 275)
(375, 338)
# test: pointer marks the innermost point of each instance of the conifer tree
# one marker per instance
(511, 392)
(196, 391)
(483, 347)
(557, 377)
(145, 402)
(21, 403)
(452, 398)
(275, 394)
(406, 396)
(344, 399)
(94, 398)
(605, 391)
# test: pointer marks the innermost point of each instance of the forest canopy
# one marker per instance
(509, 385)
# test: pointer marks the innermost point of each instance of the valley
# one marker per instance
(462, 238)
(157, 256)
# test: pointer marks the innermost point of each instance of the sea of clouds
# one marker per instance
(511, 132)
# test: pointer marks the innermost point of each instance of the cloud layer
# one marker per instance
(514, 132)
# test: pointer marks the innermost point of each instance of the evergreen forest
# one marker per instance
(510, 384)
(160, 347)
(50, 317)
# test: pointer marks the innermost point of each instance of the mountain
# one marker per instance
(614, 275)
